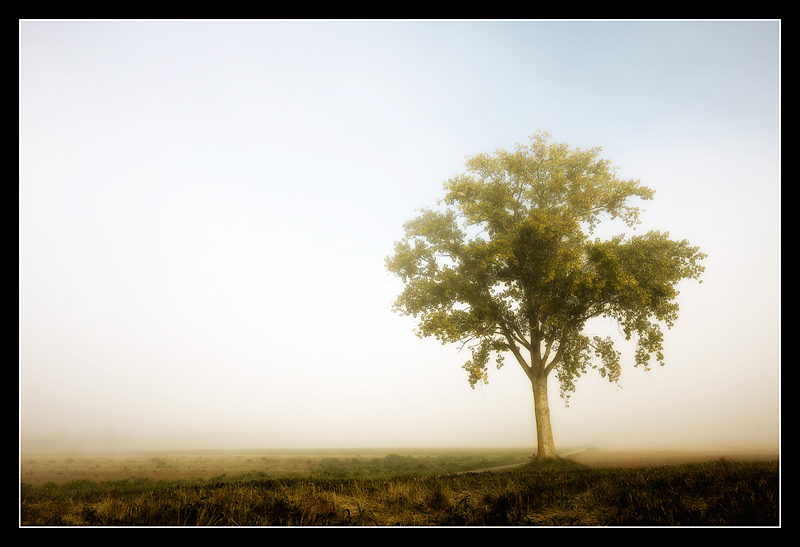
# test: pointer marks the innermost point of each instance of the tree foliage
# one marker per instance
(508, 265)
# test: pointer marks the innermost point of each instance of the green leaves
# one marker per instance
(506, 187)
(481, 352)
(529, 278)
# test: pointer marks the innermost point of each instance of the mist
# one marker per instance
(205, 210)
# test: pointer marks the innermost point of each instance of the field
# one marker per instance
(401, 487)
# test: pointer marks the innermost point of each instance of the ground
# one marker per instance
(39, 469)
(635, 458)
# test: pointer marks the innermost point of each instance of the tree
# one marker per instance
(512, 269)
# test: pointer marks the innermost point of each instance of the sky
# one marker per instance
(205, 208)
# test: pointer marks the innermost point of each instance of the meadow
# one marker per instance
(399, 488)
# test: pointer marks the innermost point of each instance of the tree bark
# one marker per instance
(541, 411)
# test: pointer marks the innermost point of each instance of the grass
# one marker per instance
(405, 490)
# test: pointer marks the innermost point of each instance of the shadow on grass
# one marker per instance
(558, 463)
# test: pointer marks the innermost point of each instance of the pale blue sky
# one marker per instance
(205, 208)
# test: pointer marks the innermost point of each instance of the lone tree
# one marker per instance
(512, 269)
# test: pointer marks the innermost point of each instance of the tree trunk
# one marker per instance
(541, 411)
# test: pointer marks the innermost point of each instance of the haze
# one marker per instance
(206, 206)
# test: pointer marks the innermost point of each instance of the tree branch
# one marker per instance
(515, 350)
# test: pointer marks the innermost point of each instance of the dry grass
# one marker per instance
(37, 470)
(719, 493)
(345, 489)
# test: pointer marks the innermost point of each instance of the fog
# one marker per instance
(206, 206)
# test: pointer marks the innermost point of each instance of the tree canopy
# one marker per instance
(508, 265)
